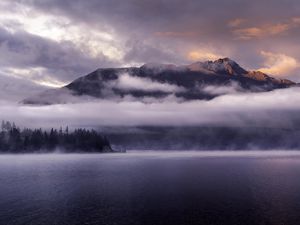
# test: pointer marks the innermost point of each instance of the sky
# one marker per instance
(48, 43)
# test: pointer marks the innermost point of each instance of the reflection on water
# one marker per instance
(151, 188)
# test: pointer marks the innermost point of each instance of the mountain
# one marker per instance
(202, 137)
(200, 80)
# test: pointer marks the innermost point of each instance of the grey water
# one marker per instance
(151, 188)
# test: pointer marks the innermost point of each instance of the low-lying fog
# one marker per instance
(153, 154)
(279, 108)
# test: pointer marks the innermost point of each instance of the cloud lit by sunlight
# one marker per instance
(36, 75)
(93, 42)
(259, 32)
(202, 55)
(265, 30)
(278, 64)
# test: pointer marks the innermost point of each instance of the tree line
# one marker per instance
(16, 140)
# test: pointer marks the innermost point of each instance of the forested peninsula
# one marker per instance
(13, 139)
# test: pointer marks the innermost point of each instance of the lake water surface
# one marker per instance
(151, 188)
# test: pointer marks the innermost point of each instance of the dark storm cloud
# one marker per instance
(62, 61)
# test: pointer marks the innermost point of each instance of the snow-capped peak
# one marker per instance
(220, 66)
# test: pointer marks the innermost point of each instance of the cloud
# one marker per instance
(259, 109)
(236, 22)
(195, 55)
(279, 64)
(264, 30)
(232, 88)
(115, 33)
(51, 49)
(21, 51)
(60, 28)
(13, 88)
(296, 20)
(260, 32)
(144, 51)
(55, 96)
(37, 75)
(127, 82)
(175, 34)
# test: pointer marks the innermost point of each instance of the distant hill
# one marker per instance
(200, 80)
(203, 138)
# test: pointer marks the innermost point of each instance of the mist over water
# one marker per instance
(236, 109)
(190, 187)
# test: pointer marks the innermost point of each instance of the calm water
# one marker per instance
(151, 188)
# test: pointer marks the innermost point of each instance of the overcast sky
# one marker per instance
(52, 42)
(48, 43)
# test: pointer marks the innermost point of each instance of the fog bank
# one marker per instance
(279, 108)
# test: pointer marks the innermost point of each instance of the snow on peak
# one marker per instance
(220, 66)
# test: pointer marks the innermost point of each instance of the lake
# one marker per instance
(151, 188)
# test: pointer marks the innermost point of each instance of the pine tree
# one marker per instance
(12, 139)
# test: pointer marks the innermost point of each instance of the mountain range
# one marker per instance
(199, 80)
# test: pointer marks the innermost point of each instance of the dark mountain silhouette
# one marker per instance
(200, 80)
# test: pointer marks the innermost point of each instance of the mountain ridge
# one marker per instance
(187, 82)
